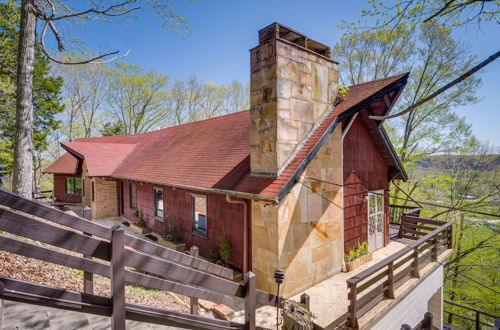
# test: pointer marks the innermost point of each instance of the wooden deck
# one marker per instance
(328, 298)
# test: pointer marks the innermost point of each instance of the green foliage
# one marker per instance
(112, 129)
(136, 98)
(464, 182)
(212, 254)
(343, 90)
(139, 218)
(172, 233)
(450, 13)
(360, 250)
(47, 103)
(433, 56)
(225, 249)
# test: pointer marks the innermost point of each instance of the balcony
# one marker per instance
(361, 298)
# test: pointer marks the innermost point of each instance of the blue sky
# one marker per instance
(223, 31)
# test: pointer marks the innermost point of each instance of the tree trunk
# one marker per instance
(23, 148)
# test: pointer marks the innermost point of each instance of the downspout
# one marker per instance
(243, 202)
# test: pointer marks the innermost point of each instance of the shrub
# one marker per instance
(225, 249)
(172, 234)
(212, 254)
(139, 219)
(360, 250)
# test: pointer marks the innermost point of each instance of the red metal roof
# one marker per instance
(212, 153)
(66, 164)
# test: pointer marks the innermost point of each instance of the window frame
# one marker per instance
(72, 180)
(132, 201)
(194, 230)
(157, 217)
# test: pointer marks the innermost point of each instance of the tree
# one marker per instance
(46, 91)
(112, 129)
(137, 100)
(451, 13)
(193, 100)
(51, 13)
(433, 56)
(85, 89)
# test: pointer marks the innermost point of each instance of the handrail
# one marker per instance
(397, 211)
(477, 321)
(366, 289)
(129, 257)
(373, 269)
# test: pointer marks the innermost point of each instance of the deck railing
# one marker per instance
(371, 286)
(122, 258)
(44, 196)
(397, 211)
(470, 315)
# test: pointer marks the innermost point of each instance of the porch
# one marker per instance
(363, 297)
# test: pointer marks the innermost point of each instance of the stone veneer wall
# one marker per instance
(290, 89)
(304, 234)
(105, 202)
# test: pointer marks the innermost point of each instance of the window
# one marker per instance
(133, 195)
(199, 209)
(158, 198)
(93, 191)
(74, 186)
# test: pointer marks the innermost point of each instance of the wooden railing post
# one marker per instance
(435, 249)
(478, 324)
(194, 307)
(250, 300)
(414, 268)
(353, 309)
(390, 281)
(118, 277)
(450, 237)
(427, 321)
(88, 278)
(305, 300)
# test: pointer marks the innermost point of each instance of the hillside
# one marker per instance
(445, 162)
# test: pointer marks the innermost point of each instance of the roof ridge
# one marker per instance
(381, 79)
(160, 129)
(199, 121)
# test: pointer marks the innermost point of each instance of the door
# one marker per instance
(121, 203)
(375, 220)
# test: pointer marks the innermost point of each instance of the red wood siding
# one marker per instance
(223, 217)
(364, 170)
(60, 189)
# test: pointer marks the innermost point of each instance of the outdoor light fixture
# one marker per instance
(279, 277)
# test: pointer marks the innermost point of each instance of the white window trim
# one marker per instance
(193, 230)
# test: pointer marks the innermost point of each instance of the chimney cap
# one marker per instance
(279, 31)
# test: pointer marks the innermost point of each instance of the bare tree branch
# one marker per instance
(442, 89)
(61, 47)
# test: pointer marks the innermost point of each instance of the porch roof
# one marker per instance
(214, 154)
(66, 164)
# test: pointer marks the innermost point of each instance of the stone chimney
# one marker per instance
(293, 82)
